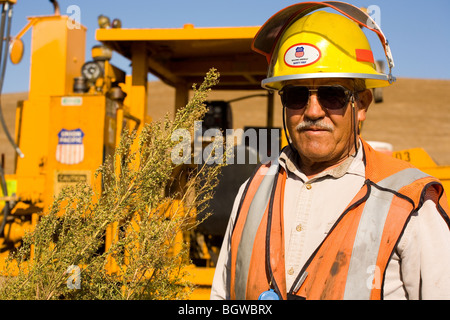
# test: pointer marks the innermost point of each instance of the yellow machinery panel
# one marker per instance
(57, 55)
(422, 160)
(76, 139)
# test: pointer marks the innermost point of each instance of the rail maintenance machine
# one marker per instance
(76, 111)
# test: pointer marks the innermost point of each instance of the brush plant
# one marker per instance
(127, 240)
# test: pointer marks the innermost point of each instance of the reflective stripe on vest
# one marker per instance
(255, 214)
(370, 230)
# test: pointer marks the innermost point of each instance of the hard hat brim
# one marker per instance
(372, 80)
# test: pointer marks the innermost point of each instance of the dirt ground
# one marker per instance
(414, 113)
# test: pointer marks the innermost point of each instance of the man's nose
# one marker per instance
(314, 110)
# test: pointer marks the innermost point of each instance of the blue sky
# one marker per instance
(418, 31)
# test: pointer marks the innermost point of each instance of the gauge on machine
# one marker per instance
(91, 71)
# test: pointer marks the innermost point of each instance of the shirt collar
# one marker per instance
(290, 160)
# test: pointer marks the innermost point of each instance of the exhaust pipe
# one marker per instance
(56, 7)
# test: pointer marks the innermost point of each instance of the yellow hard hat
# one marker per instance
(299, 44)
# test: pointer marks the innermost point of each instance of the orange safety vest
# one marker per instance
(351, 261)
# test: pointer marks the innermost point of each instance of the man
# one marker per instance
(333, 218)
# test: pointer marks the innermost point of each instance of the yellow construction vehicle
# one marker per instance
(76, 111)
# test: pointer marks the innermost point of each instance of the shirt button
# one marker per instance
(308, 186)
(291, 271)
(298, 228)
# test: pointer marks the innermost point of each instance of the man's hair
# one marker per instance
(360, 85)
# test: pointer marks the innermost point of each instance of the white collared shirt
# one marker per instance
(419, 267)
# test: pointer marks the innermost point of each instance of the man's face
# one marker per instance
(329, 140)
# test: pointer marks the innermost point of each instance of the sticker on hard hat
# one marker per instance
(301, 55)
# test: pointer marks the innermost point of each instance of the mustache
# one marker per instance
(314, 124)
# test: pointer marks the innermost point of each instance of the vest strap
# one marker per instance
(255, 213)
(370, 230)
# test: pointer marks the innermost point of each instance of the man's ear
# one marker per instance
(364, 100)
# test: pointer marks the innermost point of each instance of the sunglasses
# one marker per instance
(330, 97)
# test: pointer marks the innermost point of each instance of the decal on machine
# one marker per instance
(71, 101)
(70, 148)
(67, 178)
